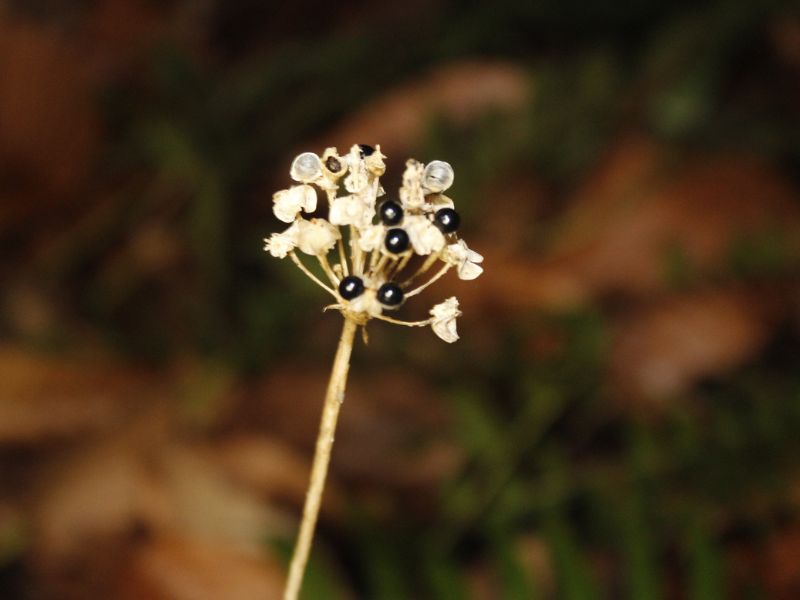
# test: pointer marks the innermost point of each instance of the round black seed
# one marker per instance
(390, 294)
(396, 240)
(447, 220)
(351, 287)
(366, 150)
(391, 213)
(332, 164)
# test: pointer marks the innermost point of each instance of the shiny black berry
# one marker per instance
(390, 294)
(447, 220)
(366, 150)
(391, 213)
(333, 165)
(396, 240)
(351, 287)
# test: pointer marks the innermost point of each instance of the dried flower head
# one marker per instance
(375, 252)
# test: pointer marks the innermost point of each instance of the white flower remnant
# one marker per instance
(316, 237)
(289, 203)
(280, 244)
(443, 320)
(366, 245)
(466, 261)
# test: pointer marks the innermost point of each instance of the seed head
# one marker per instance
(375, 255)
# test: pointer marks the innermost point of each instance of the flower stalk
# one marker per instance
(382, 239)
(334, 397)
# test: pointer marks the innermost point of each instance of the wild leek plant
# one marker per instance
(375, 255)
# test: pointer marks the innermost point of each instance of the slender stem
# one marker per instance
(334, 397)
(326, 266)
(406, 323)
(356, 253)
(342, 259)
(425, 266)
(398, 266)
(441, 272)
(310, 275)
(376, 267)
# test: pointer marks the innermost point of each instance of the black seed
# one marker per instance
(396, 240)
(351, 287)
(332, 164)
(366, 150)
(391, 213)
(447, 220)
(390, 294)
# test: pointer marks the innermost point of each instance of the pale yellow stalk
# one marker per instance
(334, 397)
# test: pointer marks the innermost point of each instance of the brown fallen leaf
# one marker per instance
(778, 565)
(96, 492)
(462, 91)
(48, 398)
(617, 236)
(662, 349)
(700, 210)
(385, 416)
(48, 122)
(205, 503)
(272, 469)
(180, 567)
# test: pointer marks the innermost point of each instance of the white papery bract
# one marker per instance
(289, 203)
(317, 236)
(424, 235)
(351, 210)
(371, 237)
(412, 196)
(280, 244)
(376, 269)
(465, 260)
(443, 319)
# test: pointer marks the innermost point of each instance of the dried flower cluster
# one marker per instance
(374, 253)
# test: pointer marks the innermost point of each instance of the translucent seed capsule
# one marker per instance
(438, 176)
(306, 167)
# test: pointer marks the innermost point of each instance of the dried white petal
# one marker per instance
(374, 162)
(351, 210)
(465, 260)
(289, 203)
(316, 236)
(438, 176)
(357, 179)
(437, 202)
(371, 237)
(444, 316)
(280, 244)
(306, 167)
(425, 236)
(411, 193)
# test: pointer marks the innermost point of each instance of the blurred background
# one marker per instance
(620, 418)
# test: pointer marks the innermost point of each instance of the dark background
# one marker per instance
(620, 418)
